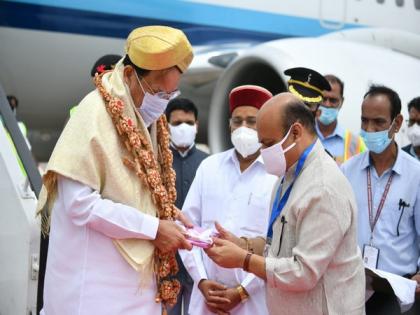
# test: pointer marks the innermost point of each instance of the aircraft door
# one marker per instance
(332, 14)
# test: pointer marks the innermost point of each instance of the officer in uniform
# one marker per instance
(308, 85)
(316, 91)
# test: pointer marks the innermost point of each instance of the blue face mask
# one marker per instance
(328, 115)
(378, 141)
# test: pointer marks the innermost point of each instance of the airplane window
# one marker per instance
(400, 3)
(417, 4)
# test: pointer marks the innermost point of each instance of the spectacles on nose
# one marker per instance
(238, 121)
(162, 94)
(331, 100)
(411, 122)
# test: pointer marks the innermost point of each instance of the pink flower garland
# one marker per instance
(157, 176)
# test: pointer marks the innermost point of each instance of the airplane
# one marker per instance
(48, 48)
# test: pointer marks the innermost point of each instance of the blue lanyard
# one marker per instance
(278, 206)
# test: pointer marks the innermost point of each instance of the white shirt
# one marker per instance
(85, 273)
(240, 203)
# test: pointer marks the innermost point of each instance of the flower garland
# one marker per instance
(157, 176)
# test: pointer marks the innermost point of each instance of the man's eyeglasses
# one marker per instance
(161, 94)
(411, 122)
(238, 121)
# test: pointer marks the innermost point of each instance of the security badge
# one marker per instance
(370, 256)
(371, 253)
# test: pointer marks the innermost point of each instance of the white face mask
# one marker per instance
(154, 105)
(413, 134)
(183, 135)
(245, 141)
(274, 159)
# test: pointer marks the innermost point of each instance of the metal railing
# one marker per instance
(34, 178)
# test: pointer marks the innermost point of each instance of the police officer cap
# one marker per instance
(307, 84)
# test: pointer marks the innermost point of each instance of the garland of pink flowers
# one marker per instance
(157, 175)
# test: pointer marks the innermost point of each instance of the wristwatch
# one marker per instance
(242, 293)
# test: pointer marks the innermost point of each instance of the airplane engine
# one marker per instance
(358, 64)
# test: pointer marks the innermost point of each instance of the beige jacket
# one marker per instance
(317, 268)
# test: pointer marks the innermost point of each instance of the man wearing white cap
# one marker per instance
(109, 188)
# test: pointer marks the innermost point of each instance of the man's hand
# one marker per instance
(257, 243)
(226, 254)
(417, 278)
(231, 294)
(213, 302)
(226, 235)
(170, 237)
(180, 216)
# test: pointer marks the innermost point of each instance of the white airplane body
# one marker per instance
(48, 47)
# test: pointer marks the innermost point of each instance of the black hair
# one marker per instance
(332, 79)
(12, 98)
(140, 72)
(104, 63)
(414, 103)
(296, 111)
(392, 96)
(181, 104)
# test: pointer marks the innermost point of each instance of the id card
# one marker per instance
(370, 256)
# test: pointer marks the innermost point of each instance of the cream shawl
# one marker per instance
(90, 151)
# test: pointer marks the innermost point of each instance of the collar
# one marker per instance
(338, 131)
(397, 167)
(186, 152)
(232, 157)
(318, 147)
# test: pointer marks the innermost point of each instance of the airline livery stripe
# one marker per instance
(175, 12)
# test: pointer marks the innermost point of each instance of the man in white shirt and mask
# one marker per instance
(233, 189)
(182, 116)
(110, 190)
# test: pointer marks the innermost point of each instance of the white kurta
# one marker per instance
(85, 273)
(239, 202)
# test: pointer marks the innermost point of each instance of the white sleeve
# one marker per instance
(193, 260)
(85, 206)
(193, 263)
(252, 283)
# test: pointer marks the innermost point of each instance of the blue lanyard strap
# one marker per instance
(279, 205)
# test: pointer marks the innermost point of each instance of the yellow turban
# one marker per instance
(159, 47)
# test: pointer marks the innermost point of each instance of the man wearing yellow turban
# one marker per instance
(109, 188)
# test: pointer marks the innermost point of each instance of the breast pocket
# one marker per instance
(399, 217)
(284, 238)
(256, 219)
